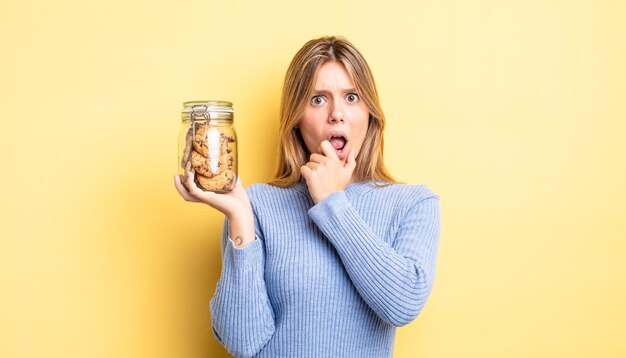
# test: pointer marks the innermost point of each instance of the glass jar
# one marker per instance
(207, 145)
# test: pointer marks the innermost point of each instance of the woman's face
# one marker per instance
(335, 112)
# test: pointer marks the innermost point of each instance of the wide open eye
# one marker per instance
(318, 100)
(352, 97)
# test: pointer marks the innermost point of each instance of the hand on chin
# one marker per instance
(328, 173)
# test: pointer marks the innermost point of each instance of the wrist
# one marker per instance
(320, 197)
(241, 228)
(240, 243)
(240, 214)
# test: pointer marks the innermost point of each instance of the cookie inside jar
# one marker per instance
(210, 155)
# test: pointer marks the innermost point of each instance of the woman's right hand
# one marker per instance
(234, 203)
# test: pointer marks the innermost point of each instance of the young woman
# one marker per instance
(332, 255)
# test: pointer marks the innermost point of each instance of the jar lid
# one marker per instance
(208, 106)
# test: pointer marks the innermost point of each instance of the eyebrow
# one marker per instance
(326, 92)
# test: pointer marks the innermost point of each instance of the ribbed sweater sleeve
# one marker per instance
(395, 279)
(242, 317)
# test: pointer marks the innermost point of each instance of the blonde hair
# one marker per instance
(297, 89)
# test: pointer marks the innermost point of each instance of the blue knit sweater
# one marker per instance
(328, 280)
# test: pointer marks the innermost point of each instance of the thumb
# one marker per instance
(239, 184)
(350, 162)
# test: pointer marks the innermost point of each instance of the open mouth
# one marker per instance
(338, 142)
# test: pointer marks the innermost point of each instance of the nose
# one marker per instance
(336, 112)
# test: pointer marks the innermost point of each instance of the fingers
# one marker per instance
(318, 158)
(352, 156)
(306, 172)
(313, 165)
(350, 162)
(190, 182)
(319, 162)
(182, 191)
(328, 150)
(232, 203)
(197, 193)
(239, 186)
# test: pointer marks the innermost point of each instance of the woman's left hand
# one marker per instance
(325, 174)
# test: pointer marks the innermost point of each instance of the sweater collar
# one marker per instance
(353, 189)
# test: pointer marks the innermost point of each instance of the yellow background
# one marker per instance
(512, 111)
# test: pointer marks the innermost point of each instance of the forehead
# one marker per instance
(333, 75)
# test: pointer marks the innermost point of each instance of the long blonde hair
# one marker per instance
(297, 89)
